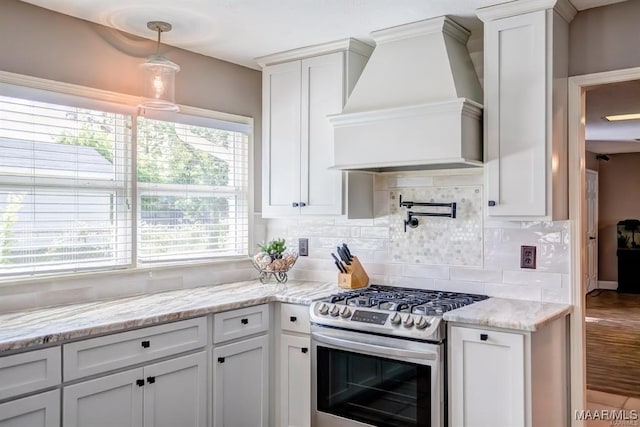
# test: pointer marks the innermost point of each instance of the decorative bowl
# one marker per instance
(269, 265)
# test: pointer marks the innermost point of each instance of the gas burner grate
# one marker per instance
(406, 300)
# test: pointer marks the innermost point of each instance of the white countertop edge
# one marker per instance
(519, 315)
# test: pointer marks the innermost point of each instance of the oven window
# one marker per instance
(374, 390)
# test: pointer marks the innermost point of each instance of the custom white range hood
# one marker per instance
(416, 104)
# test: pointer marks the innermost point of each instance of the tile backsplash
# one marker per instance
(437, 240)
(466, 254)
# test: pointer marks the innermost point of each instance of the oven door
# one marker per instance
(360, 379)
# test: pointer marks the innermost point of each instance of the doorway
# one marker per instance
(578, 214)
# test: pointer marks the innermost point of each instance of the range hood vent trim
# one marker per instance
(416, 105)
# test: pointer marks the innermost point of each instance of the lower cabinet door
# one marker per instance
(241, 382)
(487, 378)
(295, 381)
(114, 400)
(175, 392)
(40, 410)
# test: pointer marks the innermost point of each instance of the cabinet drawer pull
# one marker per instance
(303, 204)
(244, 321)
(295, 204)
(146, 344)
(304, 350)
(139, 383)
(492, 202)
(220, 359)
(151, 380)
(293, 318)
(484, 337)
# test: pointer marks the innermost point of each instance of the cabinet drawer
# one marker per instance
(294, 317)
(40, 410)
(116, 351)
(28, 372)
(240, 323)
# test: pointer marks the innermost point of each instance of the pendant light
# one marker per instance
(160, 73)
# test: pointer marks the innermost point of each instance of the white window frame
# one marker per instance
(14, 85)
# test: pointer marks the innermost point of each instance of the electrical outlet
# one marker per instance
(528, 257)
(303, 247)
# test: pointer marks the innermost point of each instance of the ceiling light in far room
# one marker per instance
(619, 117)
(160, 75)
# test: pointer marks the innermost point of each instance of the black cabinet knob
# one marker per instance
(151, 380)
(304, 350)
(303, 204)
(484, 337)
(139, 383)
(244, 321)
(295, 204)
(220, 359)
(293, 318)
(146, 344)
(492, 202)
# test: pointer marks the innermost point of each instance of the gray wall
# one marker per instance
(605, 38)
(37, 42)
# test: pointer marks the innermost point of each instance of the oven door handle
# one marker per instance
(380, 350)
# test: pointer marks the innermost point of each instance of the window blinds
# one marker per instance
(84, 188)
(63, 188)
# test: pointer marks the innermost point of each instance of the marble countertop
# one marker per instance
(508, 313)
(56, 324)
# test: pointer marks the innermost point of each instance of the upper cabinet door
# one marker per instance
(322, 94)
(516, 82)
(281, 139)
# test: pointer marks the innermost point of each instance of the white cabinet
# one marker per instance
(166, 394)
(25, 373)
(487, 378)
(31, 371)
(299, 89)
(293, 369)
(295, 381)
(508, 378)
(240, 383)
(40, 410)
(525, 90)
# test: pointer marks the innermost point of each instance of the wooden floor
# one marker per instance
(613, 342)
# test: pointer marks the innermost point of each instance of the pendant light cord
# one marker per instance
(158, 44)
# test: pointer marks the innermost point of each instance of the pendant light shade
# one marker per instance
(159, 76)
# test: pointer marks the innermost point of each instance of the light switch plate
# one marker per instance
(303, 247)
(528, 257)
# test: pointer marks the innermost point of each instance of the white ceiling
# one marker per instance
(612, 137)
(240, 30)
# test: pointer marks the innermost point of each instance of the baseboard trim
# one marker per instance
(607, 284)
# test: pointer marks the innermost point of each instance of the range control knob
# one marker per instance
(395, 319)
(334, 311)
(421, 323)
(345, 312)
(323, 309)
(408, 321)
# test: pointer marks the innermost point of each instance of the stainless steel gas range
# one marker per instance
(379, 357)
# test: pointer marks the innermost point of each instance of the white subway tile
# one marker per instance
(532, 278)
(475, 274)
(459, 286)
(411, 181)
(533, 293)
(374, 232)
(426, 271)
(411, 282)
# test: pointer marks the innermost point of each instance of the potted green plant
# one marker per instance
(274, 248)
(274, 260)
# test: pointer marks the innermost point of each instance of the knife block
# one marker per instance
(355, 277)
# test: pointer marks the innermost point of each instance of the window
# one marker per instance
(97, 188)
(192, 191)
